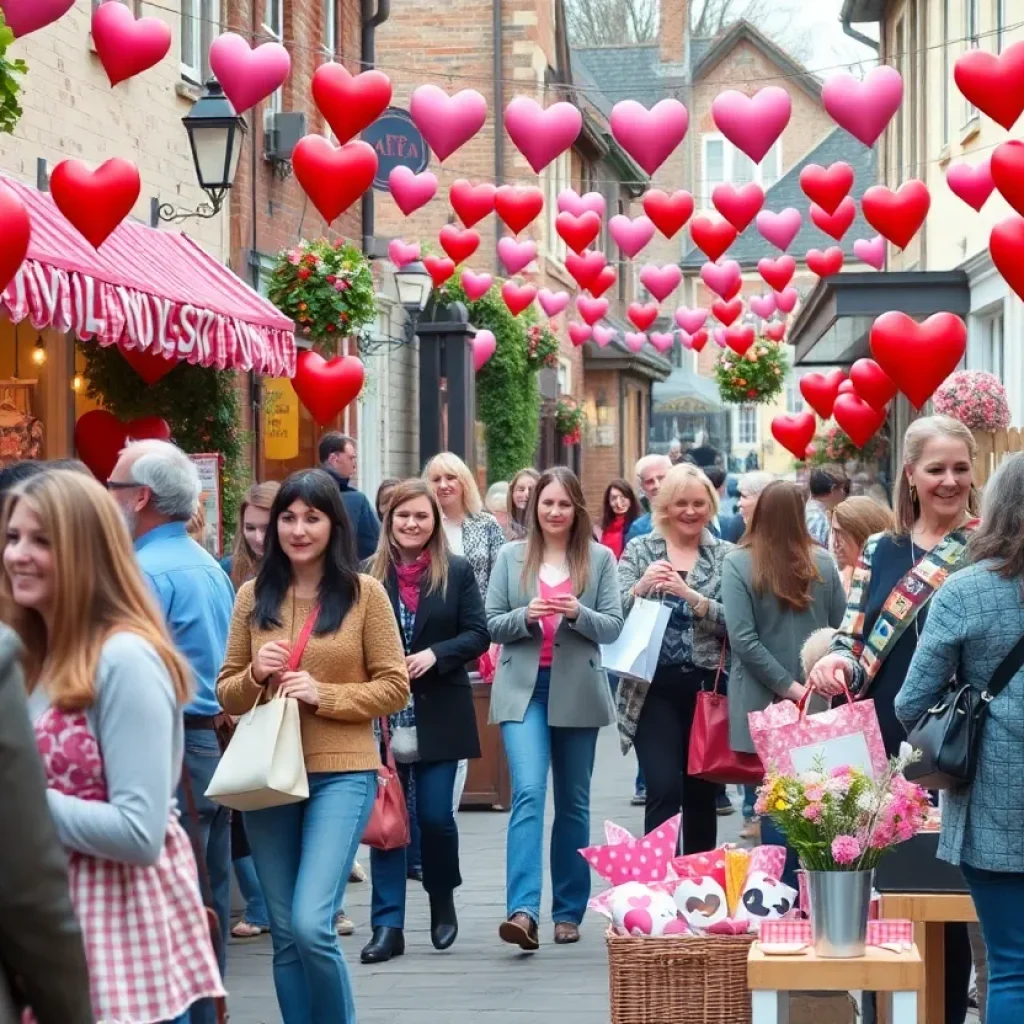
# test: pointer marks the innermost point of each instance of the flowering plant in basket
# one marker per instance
(835, 445)
(975, 398)
(843, 819)
(569, 420)
(541, 348)
(757, 376)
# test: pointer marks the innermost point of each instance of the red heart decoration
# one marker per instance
(732, 290)
(898, 215)
(668, 212)
(739, 206)
(349, 102)
(994, 84)
(333, 177)
(777, 273)
(835, 225)
(100, 436)
(795, 433)
(857, 419)
(1008, 173)
(471, 203)
(15, 232)
(585, 267)
(1006, 244)
(712, 237)
(439, 269)
(739, 339)
(727, 312)
(827, 187)
(125, 46)
(95, 202)
(518, 207)
(826, 263)
(820, 390)
(642, 316)
(698, 340)
(918, 357)
(326, 387)
(459, 243)
(517, 296)
(579, 333)
(578, 232)
(847, 388)
(604, 280)
(149, 365)
(870, 381)
(776, 331)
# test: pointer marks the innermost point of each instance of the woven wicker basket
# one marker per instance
(679, 980)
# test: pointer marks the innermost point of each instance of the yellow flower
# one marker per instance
(781, 805)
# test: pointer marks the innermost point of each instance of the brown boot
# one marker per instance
(520, 930)
(566, 933)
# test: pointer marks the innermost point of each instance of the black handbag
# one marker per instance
(949, 734)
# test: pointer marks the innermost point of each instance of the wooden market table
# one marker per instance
(773, 978)
(930, 911)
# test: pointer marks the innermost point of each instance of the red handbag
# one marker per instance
(388, 827)
(710, 756)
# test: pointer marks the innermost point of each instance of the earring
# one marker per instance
(913, 493)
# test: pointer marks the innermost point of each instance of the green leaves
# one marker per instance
(11, 71)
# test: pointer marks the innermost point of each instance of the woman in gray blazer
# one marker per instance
(552, 601)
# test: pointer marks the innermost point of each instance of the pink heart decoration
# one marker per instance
(971, 184)
(516, 255)
(476, 286)
(517, 296)
(248, 76)
(662, 340)
(649, 136)
(631, 235)
(24, 16)
(779, 228)
(539, 134)
(634, 341)
(786, 300)
(125, 46)
(579, 333)
(591, 310)
(691, 320)
(552, 302)
(722, 279)
(865, 107)
(719, 335)
(686, 340)
(411, 191)
(447, 122)
(870, 251)
(752, 123)
(603, 335)
(570, 201)
(763, 305)
(484, 346)
(662, 281)
(401, 253)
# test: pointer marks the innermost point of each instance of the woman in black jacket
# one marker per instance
(441, 617)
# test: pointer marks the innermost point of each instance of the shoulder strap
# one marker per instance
(303, 638)
(1007, 669)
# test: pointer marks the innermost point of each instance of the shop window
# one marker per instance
(200, 25)
(746, 425)
(985, 351)
(724, 163)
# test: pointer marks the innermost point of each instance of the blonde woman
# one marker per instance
(853, 522)
(520, 491)
(106, 691)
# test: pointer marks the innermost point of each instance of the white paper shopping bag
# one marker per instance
(634, 655)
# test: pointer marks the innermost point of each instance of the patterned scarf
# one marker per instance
(409, 575)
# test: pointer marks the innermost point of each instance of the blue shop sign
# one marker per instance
(397, 142)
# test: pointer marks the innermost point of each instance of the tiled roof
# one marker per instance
(622, 72)
(699, 48)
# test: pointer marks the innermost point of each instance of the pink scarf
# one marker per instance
(409, 576)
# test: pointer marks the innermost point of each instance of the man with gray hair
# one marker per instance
(650, 471)
(158, 488)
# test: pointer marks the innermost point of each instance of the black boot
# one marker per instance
(444, 925)
(383, 945)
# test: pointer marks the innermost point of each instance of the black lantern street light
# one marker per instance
(414, 286)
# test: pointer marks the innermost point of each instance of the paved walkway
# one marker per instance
(479, 980)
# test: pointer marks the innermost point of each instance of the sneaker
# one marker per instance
(724, 805)
(358, 873)
(245, 930)
(343, 924)
(639, 798)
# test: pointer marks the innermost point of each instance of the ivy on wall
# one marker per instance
(11, 72)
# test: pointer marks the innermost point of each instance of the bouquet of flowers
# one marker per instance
(569, 420)
(975, 398)
(541, 348)
(836, 446)
(758, 376)
(843, 819)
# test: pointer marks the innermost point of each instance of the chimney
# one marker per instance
(673, 31)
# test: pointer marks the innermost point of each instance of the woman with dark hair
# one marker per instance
(520, 491)
(351, 672)
(619, 510)
(552, 602)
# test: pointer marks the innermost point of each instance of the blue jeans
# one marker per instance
(304, 854)
(749, 800)
(249, 886)
(434, 784)
(639, 785)
(414, 857)
(531, 746)
(999, 899)
(202, 755)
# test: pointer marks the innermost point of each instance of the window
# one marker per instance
(723, 162)
(273, 26)
(986, 349)
(946, 72)
(556, 179)
(331, 28)
(564, 376)
(794, 400)
(200, 25)
(746, 424)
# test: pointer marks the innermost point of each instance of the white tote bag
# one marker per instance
(634, 655)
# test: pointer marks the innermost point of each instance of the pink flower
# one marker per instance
(813, 812)
(294, 258)
(815, 792)
(845, 849)
(340, 285)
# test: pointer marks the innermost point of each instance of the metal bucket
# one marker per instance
(840, 901)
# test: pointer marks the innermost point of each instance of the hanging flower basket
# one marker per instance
(541, 348)
(327, 289)
(756, 378)
(975, 398)
(834, 445)
(569, 420)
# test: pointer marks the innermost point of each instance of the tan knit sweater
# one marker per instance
(360, 674)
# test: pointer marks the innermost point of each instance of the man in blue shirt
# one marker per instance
(157, 487)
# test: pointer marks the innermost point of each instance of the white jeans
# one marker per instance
(460, 784)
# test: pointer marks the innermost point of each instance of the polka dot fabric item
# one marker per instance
(627, 859)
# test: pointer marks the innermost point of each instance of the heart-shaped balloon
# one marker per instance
(401, 253)
(667, 212)
(590, 309)
(872, 383)
(642, 315)
(739, 206)
(847, 388)
(634, 342)
(826, 263)
(820, 390)
(918, 357)
(897, 216)
(95, 202)
(570, 201)
(447, 122)
(517, 296)
(149, 365)
(719, 335)
(713, 238)
(350, 103)
(870, 251)
(863, 107)
(777, 273)
(325, 387)
(631, 235)
(125, 46)
(857, 419)
(662, 281)
(333, 177)
(649, 136)
(786, 300)
(516, 255)
(971, 184)
(993, 83)
(827, 186)
(603, 335)
(698, 340)
(411, 191)
(471, 203)
(775, 330)
(476, 286)
(248, 75)
(100, 438)
(795, 432)
(763, 305)
(835, 224)
(484, 346)
(780, 228)
(15, 232)
(740, 339)
(752, 123)
(584, 267)
(578, 231)
(662, 340)
(24, 16)
(1006, 245)
(579, 333)
(1007, 166)
(602, 281)
(539, 134)
(459, 243)
(691, 320)
(440, 269)
(724, 279)
(726, 313)
(518, 207)
(552, 302)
